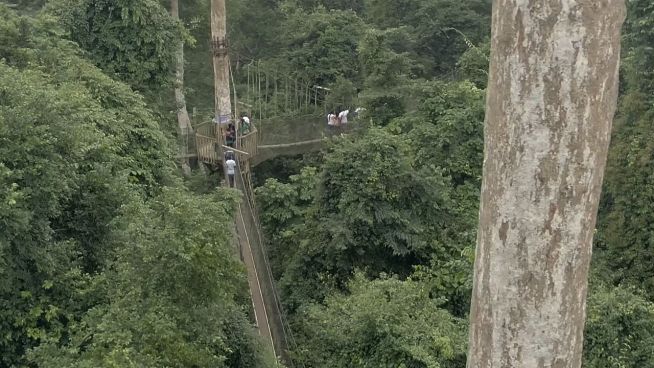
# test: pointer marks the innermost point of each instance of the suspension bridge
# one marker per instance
(298, 126)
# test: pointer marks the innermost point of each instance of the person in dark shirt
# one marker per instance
(230, 135)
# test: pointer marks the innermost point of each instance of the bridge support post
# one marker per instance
(219, 45)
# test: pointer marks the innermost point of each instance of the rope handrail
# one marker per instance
(253, 132)
(273, 117)
(285, 325)
(288, 145)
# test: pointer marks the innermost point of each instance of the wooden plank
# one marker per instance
(234, 149)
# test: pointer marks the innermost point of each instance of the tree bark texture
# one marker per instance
(551, 99)
(183, 120)
(223, 105)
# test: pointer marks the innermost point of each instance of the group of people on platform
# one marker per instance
(244, 128)
(340, 119)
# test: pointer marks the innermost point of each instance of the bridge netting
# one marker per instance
(289, 117)
(288, 110)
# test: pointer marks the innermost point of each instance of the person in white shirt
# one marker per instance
(331, 118)
(342, 116)
(231, 169)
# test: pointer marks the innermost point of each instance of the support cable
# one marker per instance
(286, 329)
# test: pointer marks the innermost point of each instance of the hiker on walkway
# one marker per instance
(330, 122)
(246, 127)
(230, 135)
(231, 167)
(333, 120)
(342, 116)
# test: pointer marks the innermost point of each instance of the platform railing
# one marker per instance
(249, 143)
(206, 149)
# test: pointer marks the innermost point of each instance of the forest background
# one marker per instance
(109, 257)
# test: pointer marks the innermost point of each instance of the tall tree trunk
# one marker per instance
(551, 99)
(223, 107)
(183, 120)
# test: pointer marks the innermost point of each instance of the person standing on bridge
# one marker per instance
(329, 119)
(231, 168)
(333, 120)
(230, 135)
(246, 127)
(342, 116)
(357, 112)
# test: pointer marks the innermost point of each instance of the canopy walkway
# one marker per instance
(262, 90)
(209, 149)
(268, 312)
(267, 139)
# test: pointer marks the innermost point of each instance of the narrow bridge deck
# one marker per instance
(272, 138)
(247, 242)
(280, 137)
(268, 313)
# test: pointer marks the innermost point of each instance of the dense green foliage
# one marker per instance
(389, 201)
(403, 200)
(322, 44)
(619, 330)
(169, 293)
(106, 260)
(626, 238)
(130, 40)
(375, 46)
(383, 323)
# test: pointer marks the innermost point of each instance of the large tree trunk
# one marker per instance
(551, 99)
(183, 120)
(223, 107)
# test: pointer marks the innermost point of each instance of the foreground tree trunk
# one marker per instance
(183, 120)
(551, 99)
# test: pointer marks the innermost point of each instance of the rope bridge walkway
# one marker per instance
(269, 316)
(269, 137)
(306, 134)
(287, 111)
